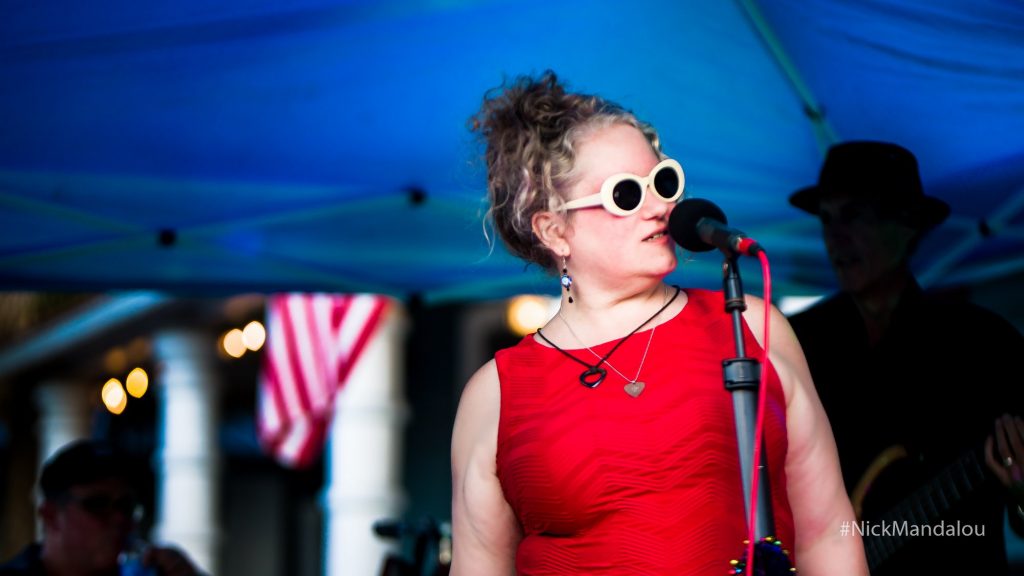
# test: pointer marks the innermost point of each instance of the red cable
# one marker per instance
(761, 395)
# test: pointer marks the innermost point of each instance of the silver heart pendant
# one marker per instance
(634, 388)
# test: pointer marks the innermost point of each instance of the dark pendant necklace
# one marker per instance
(595, 374)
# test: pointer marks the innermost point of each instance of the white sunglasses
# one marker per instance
(623, 194)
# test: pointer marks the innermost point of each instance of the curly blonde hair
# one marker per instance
(531, 128)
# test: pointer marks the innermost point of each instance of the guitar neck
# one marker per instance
(925, 506)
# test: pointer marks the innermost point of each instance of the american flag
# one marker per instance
(313, 341)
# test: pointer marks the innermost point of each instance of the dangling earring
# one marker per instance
(566, 279)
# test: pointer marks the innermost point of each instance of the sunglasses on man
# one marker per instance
(103, 506)
(623, 194)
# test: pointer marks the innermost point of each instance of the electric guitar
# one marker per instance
(924, 506)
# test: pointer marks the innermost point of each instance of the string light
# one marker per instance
(254, 335)
(137, 382)
(233, 343)
(527, 313)
(113, 396)
(115, 361)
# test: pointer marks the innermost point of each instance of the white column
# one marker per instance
(187, 452)
(364, 451)
(64, 415)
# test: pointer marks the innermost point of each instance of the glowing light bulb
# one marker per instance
(137, 382)
(254, 335)
(233, 344)
(115, 360)
(527, 313)
(113, 396)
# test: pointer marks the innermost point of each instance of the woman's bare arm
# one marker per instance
(816, 492)
(485, 531)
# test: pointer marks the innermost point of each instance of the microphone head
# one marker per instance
(682, 224)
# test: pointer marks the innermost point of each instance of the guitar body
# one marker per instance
(882, 471)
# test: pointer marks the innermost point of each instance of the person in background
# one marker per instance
(605, 442)
(89, 513)
(912, 383)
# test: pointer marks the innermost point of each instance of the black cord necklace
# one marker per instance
(594, 374)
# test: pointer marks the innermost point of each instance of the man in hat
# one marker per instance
(915, 386)
(89, 513)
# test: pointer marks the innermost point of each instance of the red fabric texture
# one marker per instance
(603, 483)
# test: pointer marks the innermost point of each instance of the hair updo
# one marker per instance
(531, 128)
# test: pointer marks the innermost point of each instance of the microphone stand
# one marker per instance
(742, 377)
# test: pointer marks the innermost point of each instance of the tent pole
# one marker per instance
(823, 131)
(973, 237)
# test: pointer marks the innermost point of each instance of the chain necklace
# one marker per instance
(633, 386)
(595, 374)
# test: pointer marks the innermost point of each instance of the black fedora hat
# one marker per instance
(882, 172)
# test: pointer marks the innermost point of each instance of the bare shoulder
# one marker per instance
(485, 378)
(484, 527)
(786, 354)
(754, 314)
(482, 393)
(781, 332)
(477, 418)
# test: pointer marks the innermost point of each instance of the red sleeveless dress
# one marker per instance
(604, 483)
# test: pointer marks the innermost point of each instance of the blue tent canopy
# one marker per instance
(213, 147)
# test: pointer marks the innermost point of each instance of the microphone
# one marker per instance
(698, 225)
